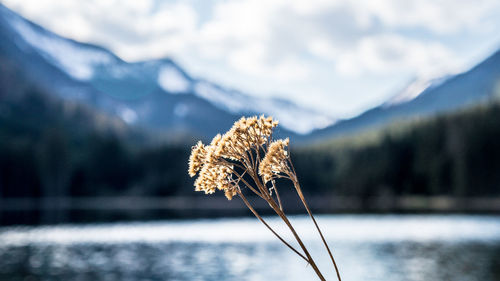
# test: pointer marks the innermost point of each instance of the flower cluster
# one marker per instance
(275, 161)
(214, 162)
(214, 177)
(198, 153)
(246, 134)
(213, 174)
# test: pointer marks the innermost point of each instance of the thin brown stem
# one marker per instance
(277, 195)
(302, 198)
(240, 177)
(249, 206)
(229, 164)
(282, 215)
(260, 186)
(254, 163)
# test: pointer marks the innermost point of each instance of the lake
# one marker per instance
(366, 247)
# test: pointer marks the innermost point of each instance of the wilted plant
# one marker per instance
(247, 157)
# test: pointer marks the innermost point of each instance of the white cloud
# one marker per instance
(261, 37)
(135, 30)
(251, 36)
(440, 16)
(240, 34)
(388, 53)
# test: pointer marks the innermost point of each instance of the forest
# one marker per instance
(43, 155)
(455, 154)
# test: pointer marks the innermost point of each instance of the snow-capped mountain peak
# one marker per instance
(156, 93)
(427, 97)
(77, 61)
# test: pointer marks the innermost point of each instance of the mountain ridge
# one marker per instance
(160, 95)
(152, 93)
(479, 84)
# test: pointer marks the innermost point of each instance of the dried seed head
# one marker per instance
(275, 161)
(213, 177)
(216, 140)
(212, 161)
(198, 154)
(230, 193)
(246, 134)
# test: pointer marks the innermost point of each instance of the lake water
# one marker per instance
(366, 247)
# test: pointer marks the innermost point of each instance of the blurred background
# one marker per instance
(392, 109)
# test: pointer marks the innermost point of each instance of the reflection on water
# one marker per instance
(366, 248)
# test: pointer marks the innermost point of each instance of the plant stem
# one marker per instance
(269, 227)
(303, 199)
(282, 215)
(277, 195)
(296, 184)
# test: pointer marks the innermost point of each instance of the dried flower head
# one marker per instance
(198, 153)
(213, 162)
(230, 192)
(275, 161)
(246, 134)
(213, 177)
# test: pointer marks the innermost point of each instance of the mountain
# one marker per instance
(424, 97)
(155, 94)
(27, 113)
(161, 96)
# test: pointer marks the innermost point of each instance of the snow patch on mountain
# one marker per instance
(291, 116)
(78, 62)
(415, 89)
(230, 101)
(128, 115)
(172, 80)
(409, 93)
(104, 72)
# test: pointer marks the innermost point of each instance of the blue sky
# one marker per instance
(338, 56)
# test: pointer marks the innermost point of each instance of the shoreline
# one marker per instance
(34, 211)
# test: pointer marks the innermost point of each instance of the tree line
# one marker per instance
(456, 154)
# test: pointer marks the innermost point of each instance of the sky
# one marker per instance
(340, 57)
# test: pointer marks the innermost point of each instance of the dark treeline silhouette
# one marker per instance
(455, 155)
(42, 156)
